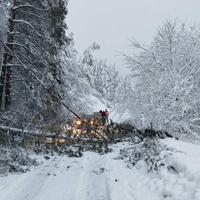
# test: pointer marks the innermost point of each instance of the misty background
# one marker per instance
(113, 23)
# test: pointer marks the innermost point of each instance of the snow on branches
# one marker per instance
(166, 76)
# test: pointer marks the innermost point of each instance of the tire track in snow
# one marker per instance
(20, 188)
(108, 192)
(93, 182)
(94, 177)
(81, 193)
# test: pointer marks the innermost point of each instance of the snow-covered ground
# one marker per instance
(103, 177)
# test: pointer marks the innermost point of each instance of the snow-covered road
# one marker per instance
(98, 177)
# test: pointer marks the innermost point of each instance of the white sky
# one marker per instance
(111, 23)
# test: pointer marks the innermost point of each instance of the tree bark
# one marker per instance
(5, 80)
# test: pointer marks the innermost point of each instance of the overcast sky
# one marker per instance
(111, 23)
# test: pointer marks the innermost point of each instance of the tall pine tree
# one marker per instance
(31, 76)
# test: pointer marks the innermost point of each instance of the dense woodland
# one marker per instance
(42, 73)
(41, 70)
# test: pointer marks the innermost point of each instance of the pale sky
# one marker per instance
(112, 23)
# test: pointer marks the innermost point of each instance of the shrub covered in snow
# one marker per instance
(14, 160)
(150, 152)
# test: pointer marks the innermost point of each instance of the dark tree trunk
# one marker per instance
(5, 80)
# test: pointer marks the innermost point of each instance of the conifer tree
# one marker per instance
(31, 76)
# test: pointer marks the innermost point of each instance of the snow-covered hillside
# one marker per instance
(105, 177)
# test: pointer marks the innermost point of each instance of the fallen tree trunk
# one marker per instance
(16, 131)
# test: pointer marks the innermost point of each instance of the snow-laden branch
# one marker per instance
(33, 14)
(11, 65)
(29, 25)
(31, 38)
(28, 6)
(19, 45)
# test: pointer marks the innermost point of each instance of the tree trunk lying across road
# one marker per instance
(16, 131)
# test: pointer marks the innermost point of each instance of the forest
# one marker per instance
(45, 83)
(41, 70)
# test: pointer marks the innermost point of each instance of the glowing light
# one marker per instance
(78, 122)
(61, 140)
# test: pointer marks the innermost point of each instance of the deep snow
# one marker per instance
(103, 177)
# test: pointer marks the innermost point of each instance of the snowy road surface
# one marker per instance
(102, 177)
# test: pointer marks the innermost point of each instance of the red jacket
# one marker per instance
(103, 114)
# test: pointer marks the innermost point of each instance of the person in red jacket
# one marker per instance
(103, 117)
(107, 114)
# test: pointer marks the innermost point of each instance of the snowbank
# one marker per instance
(182, 181)
(105, 177)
